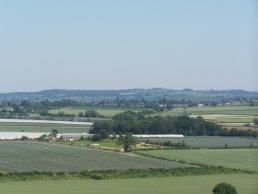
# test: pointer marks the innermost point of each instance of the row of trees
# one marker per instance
(136, 123)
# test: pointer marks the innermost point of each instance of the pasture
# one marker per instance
(19, 156)
(221, 114)
(245, 159)
(209, 141)
(43, 127)
(244, 184)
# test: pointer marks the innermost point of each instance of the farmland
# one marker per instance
(19, 156)
(105, 111)
(245, 184)
(233, 158)
(222, 109)
(209, 141)
(43, 127)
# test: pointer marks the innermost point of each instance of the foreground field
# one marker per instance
(209, 141)
(33, 156)
(43, 127)
(233, 158)
(245, 184)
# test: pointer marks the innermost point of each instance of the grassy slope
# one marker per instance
(29, 156)
(245, 184)
(43, 127)
(232, 158)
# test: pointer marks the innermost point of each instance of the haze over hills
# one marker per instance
(146, 94)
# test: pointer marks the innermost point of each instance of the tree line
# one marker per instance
(138, 123)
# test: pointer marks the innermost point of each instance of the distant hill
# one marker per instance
(146, 94)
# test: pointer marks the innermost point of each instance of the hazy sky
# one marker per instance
(114, 44)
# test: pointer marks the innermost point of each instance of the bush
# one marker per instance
(224, 188)
(256, 121)
(96, 138)
(24, 138)
(103, 134)
(43, 138)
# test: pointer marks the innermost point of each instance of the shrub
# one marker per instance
(103, 134)
(96, 138)
(24, 138)
(224, 188)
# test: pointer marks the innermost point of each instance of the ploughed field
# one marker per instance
(245, 159)
(209, 141)
(17, 156)
(244, 184)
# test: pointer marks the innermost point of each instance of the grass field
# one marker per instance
(246, 159)
(225, 110)
(43, 127)
(30, 156)
(244, 184)
(105, 111)
(209, 141)
(221, 114)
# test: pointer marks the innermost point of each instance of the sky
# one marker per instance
(117, 44)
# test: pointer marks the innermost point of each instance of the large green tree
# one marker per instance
(127, 141)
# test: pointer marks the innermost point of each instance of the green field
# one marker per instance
(35, 156)
(43, 127)
(226, 109)
(209, 141)
(220, 114)
(105, 111)
(244, 184)
(246, 159)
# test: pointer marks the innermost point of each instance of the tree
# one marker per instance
(103, 134)
(224, 188)
(127, 140)
(54, 132)
(43, 138)
(96, 138)
(256, 121)
(92, 113)
(23, 138)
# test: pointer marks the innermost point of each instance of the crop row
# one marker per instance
(19, 156)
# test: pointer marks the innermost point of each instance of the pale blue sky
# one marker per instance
(80, 44)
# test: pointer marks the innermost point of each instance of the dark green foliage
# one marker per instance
(23, 138)
(167, 143)
(256, 121)
(103, 134)
(96, 138)
(224, 188)
(131, 122)
(127, 140)
(43, 138)
(54, 132)
(93, 113)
